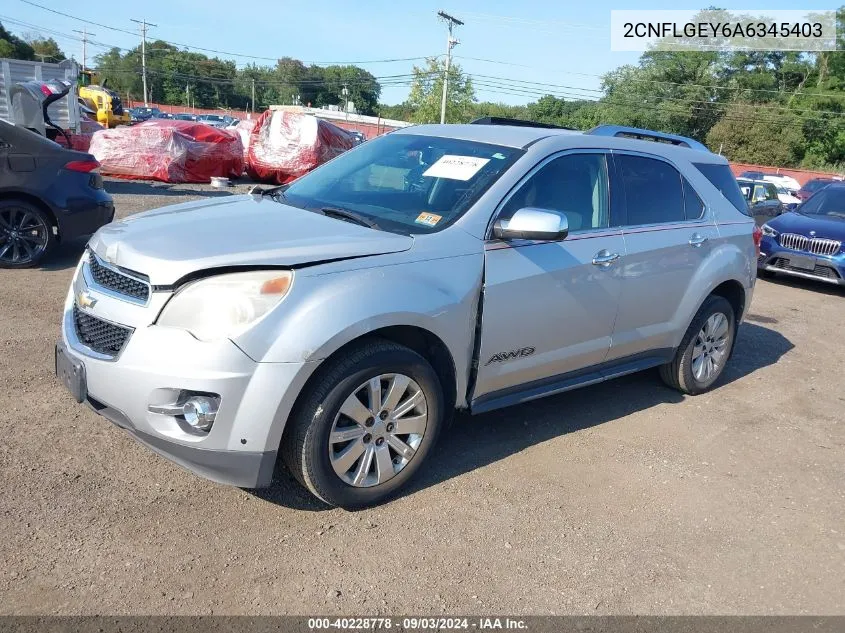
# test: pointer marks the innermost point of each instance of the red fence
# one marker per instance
(801, 175)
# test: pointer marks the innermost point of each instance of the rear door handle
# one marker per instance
(604, 258)
(697, 240)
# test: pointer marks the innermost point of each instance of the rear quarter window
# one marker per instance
(721, 177)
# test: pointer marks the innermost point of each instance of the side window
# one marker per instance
(759, 193)
(574, 184)
(653, 190)
(693, 205)
(720, 176)
(771, 192)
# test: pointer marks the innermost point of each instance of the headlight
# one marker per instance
(226, 305)
(767, 230)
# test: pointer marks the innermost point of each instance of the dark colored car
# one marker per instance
(762, 198)
(143, 114)
(812, 186)
(47, 193)
(808, 241)
(185, 116)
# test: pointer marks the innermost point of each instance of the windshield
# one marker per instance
(211, 117)
(815, 185)
(829, 202)
(404, 182)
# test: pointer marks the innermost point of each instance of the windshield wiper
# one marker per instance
(344, 214)
(278, 190)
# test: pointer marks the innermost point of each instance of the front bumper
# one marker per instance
(157, 363)
(775, 258)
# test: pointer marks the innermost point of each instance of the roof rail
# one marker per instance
(647, 135)
(498, 120)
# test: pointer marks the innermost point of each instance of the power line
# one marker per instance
(220, 52)
(659, 82)
(766, 106)
(634, 105)
(52, 32)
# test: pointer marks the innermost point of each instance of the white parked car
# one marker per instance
(787, 182)
(789, 200)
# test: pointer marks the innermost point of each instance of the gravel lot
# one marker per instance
(619, 498)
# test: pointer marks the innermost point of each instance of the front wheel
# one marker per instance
(365, 425)
(704, 350)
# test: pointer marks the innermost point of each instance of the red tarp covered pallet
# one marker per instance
(285, 145)
(169, 150)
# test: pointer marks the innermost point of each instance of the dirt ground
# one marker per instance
(619, 498)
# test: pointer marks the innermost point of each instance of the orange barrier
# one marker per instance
(801, 175)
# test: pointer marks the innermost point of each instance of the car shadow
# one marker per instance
(149, 188)
(65, 254)
(472, 442)
(806, 284)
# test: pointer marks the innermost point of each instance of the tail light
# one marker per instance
(757, 235)
(84, 166)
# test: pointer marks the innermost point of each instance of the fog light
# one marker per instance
(200, 411)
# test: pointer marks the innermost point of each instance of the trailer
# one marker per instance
(64, 112)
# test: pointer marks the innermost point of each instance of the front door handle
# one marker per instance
(604, 258)
(697, 240)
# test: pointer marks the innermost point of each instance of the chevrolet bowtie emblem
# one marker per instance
(85, 300)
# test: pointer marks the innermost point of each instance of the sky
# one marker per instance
(504, 45)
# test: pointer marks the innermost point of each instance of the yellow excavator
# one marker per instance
(101, 100)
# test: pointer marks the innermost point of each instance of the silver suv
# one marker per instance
(339, 321)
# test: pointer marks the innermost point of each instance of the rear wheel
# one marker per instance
(704, 350)
(366, 425)
(26, 234)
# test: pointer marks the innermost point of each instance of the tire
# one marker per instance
(680, 374)
(320, 465)
(26, 234)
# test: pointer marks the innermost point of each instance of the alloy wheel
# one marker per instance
(378, 430)
(23, 235)
(711, 348)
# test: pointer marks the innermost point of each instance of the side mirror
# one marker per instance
(533, 224)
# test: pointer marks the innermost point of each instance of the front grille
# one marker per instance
(815, 245)
(116, 281)
(101, 336)
(820, 270)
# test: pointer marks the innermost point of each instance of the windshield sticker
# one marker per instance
(428, 219)
(499, 156)
(456, 167)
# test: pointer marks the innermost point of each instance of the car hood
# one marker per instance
(793, 222)
(169, 243)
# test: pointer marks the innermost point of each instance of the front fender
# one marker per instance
(326, 311)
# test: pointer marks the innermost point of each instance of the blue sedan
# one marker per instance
(808, 241)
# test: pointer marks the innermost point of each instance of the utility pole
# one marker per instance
(451, 22)
(144, 24)
(345, 93)
(253, 95)
(84, 32)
